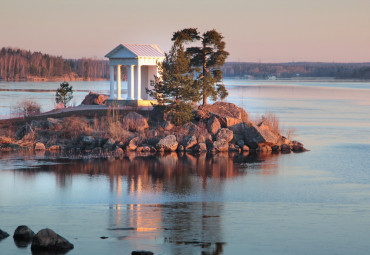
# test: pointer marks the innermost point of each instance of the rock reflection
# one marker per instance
(174, 173)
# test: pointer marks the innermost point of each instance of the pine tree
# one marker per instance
(175, 88)
(208, 59)
(64, 94)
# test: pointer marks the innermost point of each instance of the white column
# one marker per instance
(130, 82)
(119, 82)
(111, 94)
(138, 82)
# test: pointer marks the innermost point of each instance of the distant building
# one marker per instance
(141, 61)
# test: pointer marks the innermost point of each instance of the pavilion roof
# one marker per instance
(139, 50)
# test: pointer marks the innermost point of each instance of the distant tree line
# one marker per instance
(292, 70)
(17, 64)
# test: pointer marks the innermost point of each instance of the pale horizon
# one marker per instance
(267, 32)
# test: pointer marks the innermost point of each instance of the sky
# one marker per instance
(254, 30)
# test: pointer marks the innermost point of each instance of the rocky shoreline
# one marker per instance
(221, 127)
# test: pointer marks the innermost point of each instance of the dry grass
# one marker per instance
(76, 126)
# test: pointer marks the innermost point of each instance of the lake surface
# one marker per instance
(316, 202)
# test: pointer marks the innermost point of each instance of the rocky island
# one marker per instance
(108, 132)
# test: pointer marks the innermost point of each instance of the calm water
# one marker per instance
(310, 203)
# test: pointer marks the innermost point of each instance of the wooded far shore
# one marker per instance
(23, 65)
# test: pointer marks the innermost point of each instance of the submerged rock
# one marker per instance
(3, 234)
(23, 233)
(142, 253)
(47, 239)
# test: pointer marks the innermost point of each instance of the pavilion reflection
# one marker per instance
(185, 228)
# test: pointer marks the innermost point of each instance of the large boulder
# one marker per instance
(169, 143)
(3, 234)
(135, 122)
(225, 133)
(221, 145)
(189, 141)
(23, 233)
(190, 128)
(95, 99)
(255, 135)
(227, 113)
(213, 125)
(47, 239)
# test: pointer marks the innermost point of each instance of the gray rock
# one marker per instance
(264, 148)
(225, 133)
(245, 148)
(133, 144)
(88, 140)
(23, 233)
(298, 147)
(39, 147)
(213, 125)
(190, 141)
(37, 124)
(233, 147)
(22, 131)
(221, 145)
(118, 152)
(3, 234)
(190, 128)
(47, 239)
(255, 135)
(169, 143)
(135, 122)
(285, 148)
(52, 123)
(200, 147)
(240, 143)
(109, 144)
(166, 125)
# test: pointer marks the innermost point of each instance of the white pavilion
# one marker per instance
(141, 61)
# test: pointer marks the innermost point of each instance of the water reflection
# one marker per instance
(185, 227)
(174, 173)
